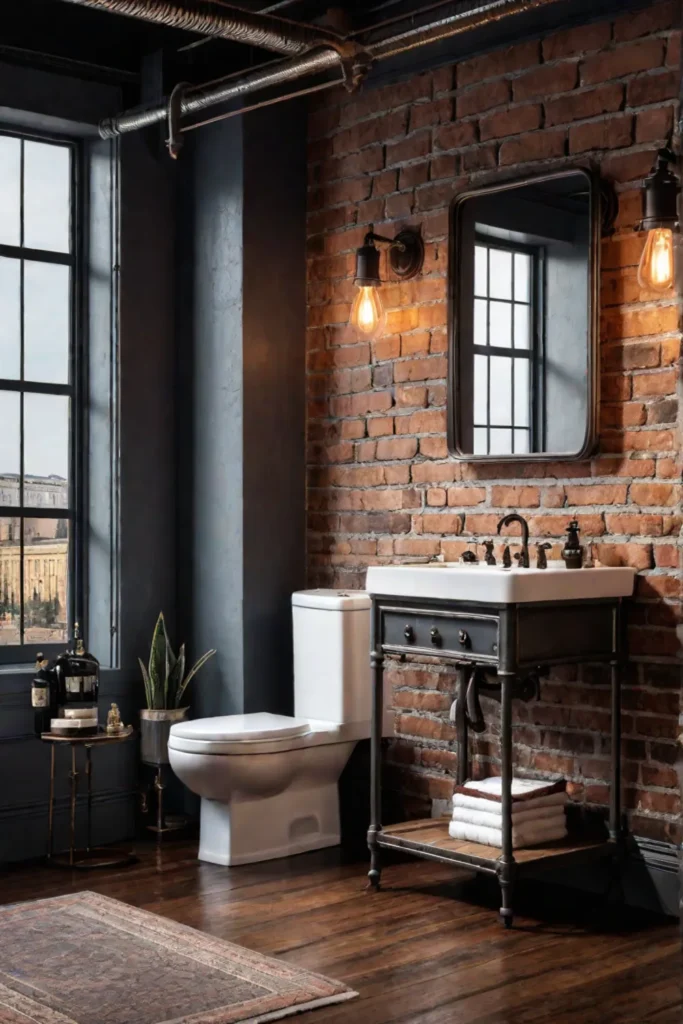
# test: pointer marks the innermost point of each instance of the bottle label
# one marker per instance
(40, 696)
(74, 684)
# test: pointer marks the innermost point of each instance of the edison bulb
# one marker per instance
(656, 270)
(367, 312)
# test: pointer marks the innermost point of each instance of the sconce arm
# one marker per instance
(371, 238)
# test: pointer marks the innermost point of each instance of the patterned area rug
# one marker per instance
(88, 959)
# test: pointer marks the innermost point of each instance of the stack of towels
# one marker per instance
(538, 812)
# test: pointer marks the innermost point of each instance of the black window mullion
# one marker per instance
(21, 396)
(488, 343)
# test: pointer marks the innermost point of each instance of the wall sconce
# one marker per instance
(406, 256)
(660, 219)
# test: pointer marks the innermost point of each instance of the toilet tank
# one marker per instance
(332, 655)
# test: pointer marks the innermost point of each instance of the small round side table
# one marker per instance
(91, 856)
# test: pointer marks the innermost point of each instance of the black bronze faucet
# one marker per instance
(490, 558)
(514, 517)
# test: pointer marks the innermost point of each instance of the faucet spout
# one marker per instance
(514, 517)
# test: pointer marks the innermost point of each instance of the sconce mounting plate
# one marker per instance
(406, 255)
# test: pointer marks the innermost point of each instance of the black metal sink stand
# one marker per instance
(512, 642)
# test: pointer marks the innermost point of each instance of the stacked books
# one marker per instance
(75, 722)
(538, 812)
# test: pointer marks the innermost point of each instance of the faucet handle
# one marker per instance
(541, 560)
(468, 556)
(490, 558)
(507, 560)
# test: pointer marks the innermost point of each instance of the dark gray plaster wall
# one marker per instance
(241, 342)
(130, 539)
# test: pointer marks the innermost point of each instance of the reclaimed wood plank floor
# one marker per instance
(426, 949)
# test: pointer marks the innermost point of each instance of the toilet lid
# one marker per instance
(242, 728)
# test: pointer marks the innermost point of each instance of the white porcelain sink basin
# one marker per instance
(458, 581)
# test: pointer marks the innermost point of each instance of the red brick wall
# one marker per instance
(382, 487)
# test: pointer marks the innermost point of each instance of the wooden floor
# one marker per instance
(427, 948)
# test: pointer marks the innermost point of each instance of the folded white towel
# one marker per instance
(494, 807)
(552, 816)
(527, 835)
(521, 789)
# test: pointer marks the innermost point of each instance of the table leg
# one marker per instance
(377, 664)
(507, 861)
(73, 777)
(51, 803)
(88, 774)
(615, 794)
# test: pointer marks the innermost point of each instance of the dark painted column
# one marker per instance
(241, 340)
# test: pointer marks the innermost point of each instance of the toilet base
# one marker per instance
(249, 831)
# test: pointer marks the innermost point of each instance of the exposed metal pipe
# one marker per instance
(453, 25)
(255, 29)
(198, 98)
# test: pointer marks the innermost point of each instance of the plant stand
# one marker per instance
(163, 823)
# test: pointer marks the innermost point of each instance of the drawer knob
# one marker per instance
(409, 634)
(463, 638)
(436, 636)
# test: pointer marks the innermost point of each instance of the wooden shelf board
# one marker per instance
(429, 837)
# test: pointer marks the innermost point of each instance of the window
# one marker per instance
(504, 347)
(37, 393)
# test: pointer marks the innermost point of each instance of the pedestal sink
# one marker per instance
(488, 584)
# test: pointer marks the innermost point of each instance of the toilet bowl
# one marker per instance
(269, 783)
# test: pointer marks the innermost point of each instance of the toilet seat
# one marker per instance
(258, 733)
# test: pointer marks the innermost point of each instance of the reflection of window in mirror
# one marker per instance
(522, 274)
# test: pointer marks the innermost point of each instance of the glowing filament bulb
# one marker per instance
(656, 270)
(367, 312)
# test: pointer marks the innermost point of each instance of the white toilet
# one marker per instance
(268, 783)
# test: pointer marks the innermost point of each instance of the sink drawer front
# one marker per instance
(467, 635)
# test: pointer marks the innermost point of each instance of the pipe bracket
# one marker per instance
(174, 142)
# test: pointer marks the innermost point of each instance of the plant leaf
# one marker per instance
(176, 678)
(157, 663)
(192, 673)
(148, 685)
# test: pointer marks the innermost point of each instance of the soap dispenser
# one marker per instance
(572, 552)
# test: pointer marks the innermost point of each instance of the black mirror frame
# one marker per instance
(597, 199)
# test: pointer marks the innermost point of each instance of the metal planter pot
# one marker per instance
(155, 727)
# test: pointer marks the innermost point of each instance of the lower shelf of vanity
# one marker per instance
(429, 838)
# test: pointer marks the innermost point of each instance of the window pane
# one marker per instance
(500, 332)
(480, 444)
(46, 322)
(46, 447)
(47, 188)
(10, 321)
(522, 327)
(10, 586)
(480, 337)
(46, 561)
(500, 274)
(521, 392)
(481, 389)
(480, 284)
(9, 447)
(522, 277)
(501, 442)
(501, 390)
(10, 183)
(522, 441)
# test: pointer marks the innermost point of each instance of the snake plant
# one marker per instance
(164, 678)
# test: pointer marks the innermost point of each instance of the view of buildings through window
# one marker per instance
(36, 267)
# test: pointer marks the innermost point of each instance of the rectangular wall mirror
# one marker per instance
(523, 280)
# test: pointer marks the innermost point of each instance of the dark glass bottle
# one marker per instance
(78, 674)
(43, 696)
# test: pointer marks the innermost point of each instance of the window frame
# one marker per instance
(22, 654)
